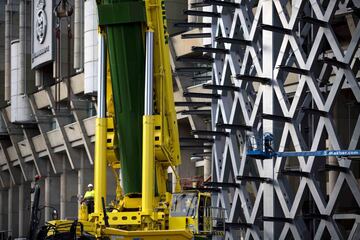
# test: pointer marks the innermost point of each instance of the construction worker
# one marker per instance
(89, 198)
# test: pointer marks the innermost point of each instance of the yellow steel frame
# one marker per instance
(114, 233)
(167, 147)
(100, 163)
(161, 149)
(105, 151)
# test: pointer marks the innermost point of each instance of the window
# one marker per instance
(184, 205)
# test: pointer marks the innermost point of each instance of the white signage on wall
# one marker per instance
(42, 40)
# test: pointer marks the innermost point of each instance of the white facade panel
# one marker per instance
(20, 106)
(90, 47)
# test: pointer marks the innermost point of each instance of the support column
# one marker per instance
(63, 185)
(268, 108)
(13, 211)
(85, 175)
(51, 193)
(3, 207)
(21, 208)
(68, 193)
(72, 194)
(47, 196)
(81, 181)
(10, 215)
(24, 208)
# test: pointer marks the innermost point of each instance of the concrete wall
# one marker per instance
(60, 191)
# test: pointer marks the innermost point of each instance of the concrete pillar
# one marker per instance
(3, 209)
(10, 215)
(63, 187)
(72, 195)
(81, 181)
(21, 208)
(13, 210)
(51, 193)
(68, 191)
(47, 211)
(24, 208)
(85, 175)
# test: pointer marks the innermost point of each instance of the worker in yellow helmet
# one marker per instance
(89, 198)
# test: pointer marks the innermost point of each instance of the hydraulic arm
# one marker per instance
(144, 113)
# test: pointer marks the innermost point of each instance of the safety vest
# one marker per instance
(89, 194)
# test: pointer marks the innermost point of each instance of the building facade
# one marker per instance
(241, 69)
(48, 78)
(290, 70)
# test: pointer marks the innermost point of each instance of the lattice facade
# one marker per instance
(293, 63)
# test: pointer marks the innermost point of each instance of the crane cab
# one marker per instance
(191, 210)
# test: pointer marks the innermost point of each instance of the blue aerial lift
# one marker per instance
(267, 152)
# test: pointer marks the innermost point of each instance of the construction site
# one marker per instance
(179, 119)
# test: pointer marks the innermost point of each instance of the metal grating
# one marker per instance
(276, 209)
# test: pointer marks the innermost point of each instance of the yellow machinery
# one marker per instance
(136, 134)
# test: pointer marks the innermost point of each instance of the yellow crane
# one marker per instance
(137, 134)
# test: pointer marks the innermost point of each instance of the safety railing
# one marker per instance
(214, 220)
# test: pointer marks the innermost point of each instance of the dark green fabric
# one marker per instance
(126, 12)
(127, 62)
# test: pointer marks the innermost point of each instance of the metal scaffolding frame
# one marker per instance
(271, 37)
